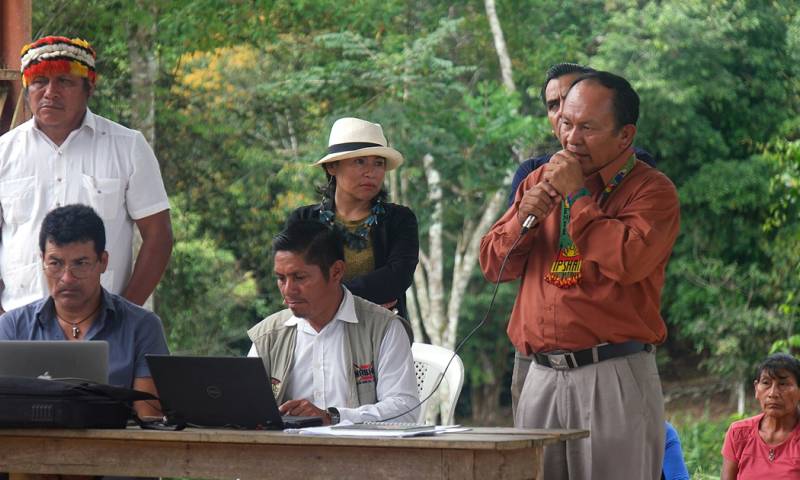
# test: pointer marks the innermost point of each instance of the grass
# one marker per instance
(701, 439)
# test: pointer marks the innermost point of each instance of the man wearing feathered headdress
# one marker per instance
(68, 155)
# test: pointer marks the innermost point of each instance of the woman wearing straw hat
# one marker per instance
(381, 242)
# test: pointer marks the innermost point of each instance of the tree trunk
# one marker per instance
(466, 257)
(144, 70)
(144, 74)
(740, 397)
(433, 264)
(500, 45)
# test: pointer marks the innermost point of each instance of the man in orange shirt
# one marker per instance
(592, 269)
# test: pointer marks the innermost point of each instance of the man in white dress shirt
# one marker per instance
(68, 155)
(332, 354)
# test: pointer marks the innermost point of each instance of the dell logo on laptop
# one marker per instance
(214, 391)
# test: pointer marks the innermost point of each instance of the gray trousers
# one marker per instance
(619, 401)
(521, 366)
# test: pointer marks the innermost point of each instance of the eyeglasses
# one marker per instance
(80, 269)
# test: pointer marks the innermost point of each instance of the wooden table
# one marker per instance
(206, 453)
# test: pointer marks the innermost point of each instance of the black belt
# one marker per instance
(564, 360)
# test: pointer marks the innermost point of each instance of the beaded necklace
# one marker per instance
(356, 240)
(565, 272)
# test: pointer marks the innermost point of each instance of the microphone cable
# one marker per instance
(480, 324)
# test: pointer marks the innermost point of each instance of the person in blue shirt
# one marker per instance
(72, 241)
(674, 467)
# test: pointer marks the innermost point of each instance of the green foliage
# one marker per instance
(723, 219)
(206, 302)
(732, 313)
(784, 156)
(711, 75)
(729, 280)
(701, 441)
(489, 348)
(236, 147)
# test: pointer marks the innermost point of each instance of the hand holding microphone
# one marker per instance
(537, 202)
(564, 173)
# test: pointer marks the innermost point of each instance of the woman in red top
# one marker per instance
(768, 445)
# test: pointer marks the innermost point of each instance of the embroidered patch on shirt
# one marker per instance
(364, 373)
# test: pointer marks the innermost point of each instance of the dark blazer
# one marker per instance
(395, 247)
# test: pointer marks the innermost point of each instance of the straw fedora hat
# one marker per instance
(353, 137)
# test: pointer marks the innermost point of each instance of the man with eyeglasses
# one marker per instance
(72, 243)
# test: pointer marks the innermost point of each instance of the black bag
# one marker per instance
(38, 403)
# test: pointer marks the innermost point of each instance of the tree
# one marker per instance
(208, 301)
(711, 76)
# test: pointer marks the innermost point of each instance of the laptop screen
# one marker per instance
(55, 359)
(215, 391)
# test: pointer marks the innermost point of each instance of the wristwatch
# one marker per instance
(334, 414)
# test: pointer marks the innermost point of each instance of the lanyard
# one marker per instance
(565, 272)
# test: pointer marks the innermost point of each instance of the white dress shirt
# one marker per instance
(101, 164)
(321, 374)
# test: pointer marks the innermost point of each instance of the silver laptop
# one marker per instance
(55, 359)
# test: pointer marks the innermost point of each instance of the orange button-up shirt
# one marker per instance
(625, 242)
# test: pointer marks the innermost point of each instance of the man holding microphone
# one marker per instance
(592, 269)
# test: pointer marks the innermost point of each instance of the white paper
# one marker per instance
(328, 431)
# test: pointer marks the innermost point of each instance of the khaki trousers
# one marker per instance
(618, 400)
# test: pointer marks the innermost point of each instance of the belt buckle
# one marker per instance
(558, 361)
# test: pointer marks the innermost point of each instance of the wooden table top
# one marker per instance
(479, 438)
(477, 454)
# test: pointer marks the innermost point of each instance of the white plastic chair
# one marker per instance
(429, 363)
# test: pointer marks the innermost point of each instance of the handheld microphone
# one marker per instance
(527, 224)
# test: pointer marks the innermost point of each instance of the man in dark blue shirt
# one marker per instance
(72, 241)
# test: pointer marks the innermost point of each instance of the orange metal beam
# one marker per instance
(15, 31)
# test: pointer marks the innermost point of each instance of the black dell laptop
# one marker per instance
(233, 392)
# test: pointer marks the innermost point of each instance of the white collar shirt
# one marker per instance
(321, 374)
(101, 164)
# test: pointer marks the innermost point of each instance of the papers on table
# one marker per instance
(385, 426)
(362, 430)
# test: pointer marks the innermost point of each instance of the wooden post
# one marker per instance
(15, 31)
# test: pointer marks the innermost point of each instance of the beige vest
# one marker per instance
(275, 342)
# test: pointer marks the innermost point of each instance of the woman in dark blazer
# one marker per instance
(381, 238)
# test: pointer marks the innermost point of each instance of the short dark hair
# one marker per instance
(625, 101)
(73, 223)
(318, 243)
(559, 70)
(779, 361)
